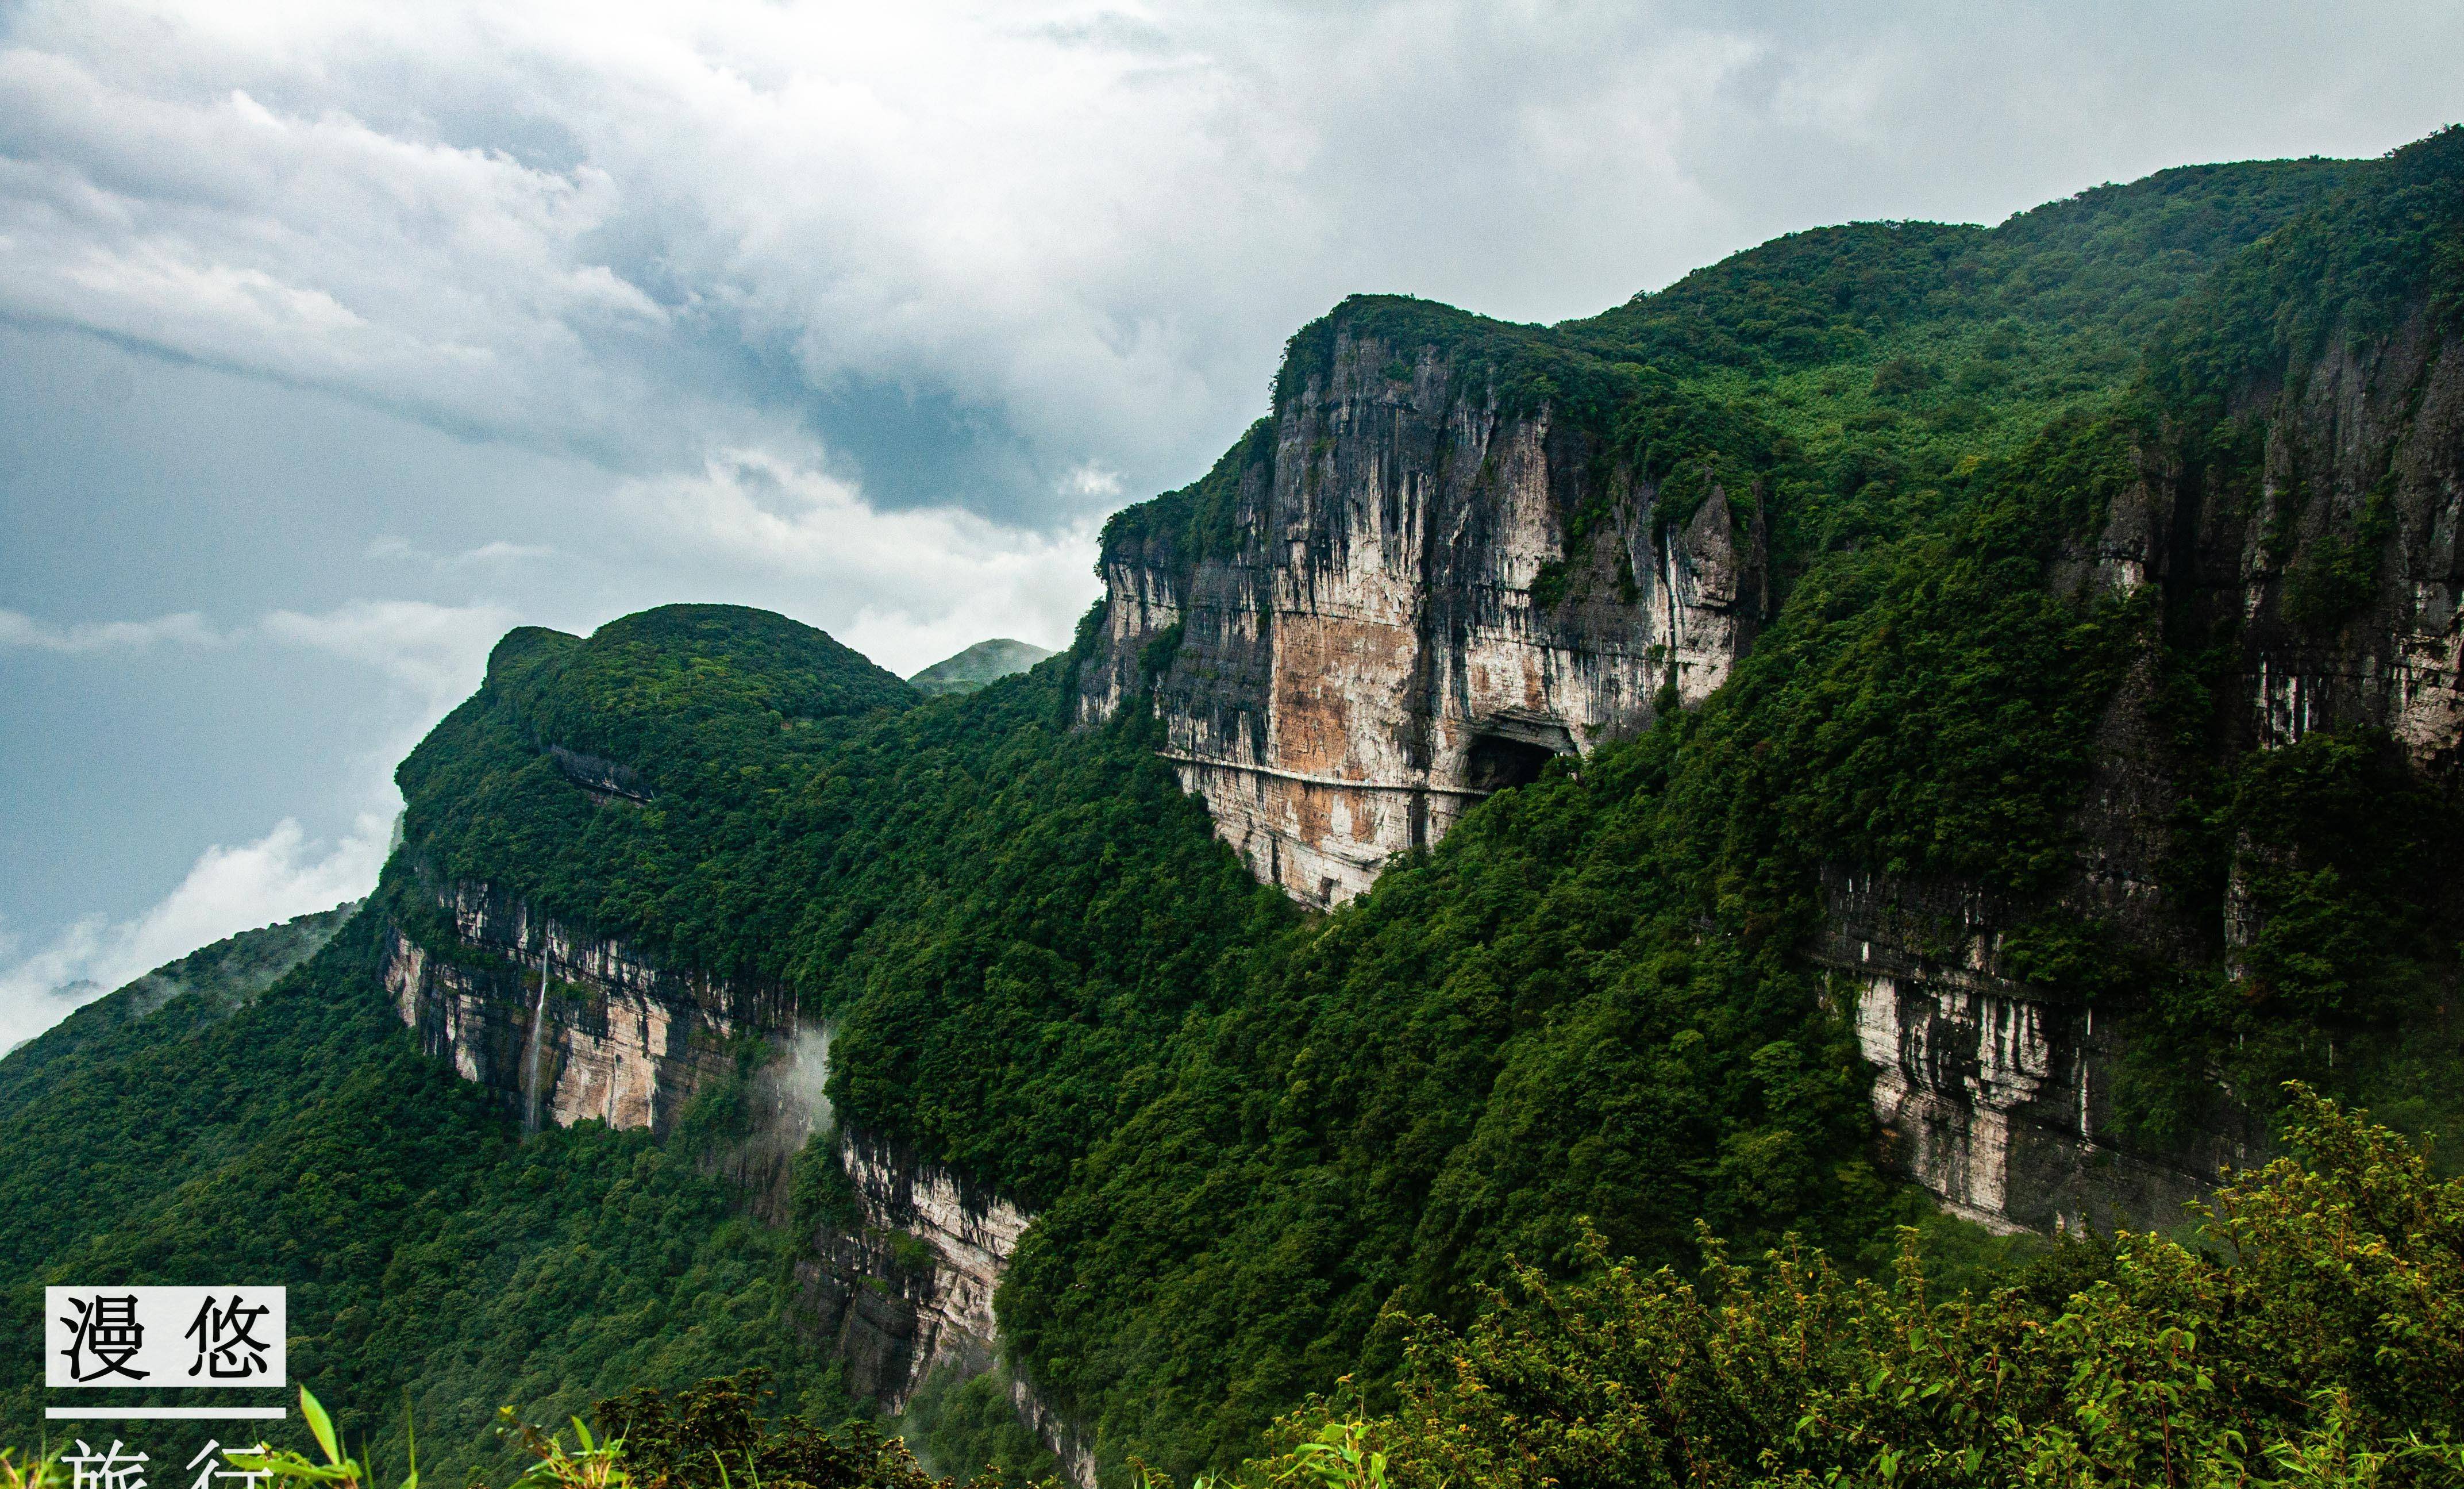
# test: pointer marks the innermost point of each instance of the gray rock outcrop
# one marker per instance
(1397, 621)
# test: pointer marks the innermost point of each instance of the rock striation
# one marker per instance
(1417, 595)
(1994, 1095)
(2332, 561)
(910, 1286)
(617, 1036)
(908, 1290)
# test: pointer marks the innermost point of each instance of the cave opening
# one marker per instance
(1499, 762)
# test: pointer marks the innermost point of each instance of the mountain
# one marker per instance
(221, 977)
(984, 662)
(1911, 726)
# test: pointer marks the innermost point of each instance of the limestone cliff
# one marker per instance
(1995, 1096)
(1407, 594)
(1402, 592)
(564, 1024)
(907, 1289)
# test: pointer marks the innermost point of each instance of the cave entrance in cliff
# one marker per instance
(1503, 761)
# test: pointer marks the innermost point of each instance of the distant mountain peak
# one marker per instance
(984, 662)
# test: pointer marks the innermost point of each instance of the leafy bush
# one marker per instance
(2314, 1334)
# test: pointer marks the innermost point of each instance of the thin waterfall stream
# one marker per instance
(531, 1064)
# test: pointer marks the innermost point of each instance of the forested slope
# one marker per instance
(1249, 1130)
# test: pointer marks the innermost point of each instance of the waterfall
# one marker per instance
(531, 1064)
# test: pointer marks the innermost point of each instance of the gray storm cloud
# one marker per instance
(641, 232)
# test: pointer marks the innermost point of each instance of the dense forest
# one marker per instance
(1444, 1160)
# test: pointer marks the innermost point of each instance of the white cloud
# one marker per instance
(919, 584)
(647, 232)
(1093, 479)
(438, 651)
(643, 230)
(432, 655)
(280, 875)
(388, 546)
(186, 628)
(499, 551)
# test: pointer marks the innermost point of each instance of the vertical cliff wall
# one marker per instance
(907, 1289)
(1400, 596)
(618, 1038)
(910, 1287)
(2326, 543)
(1997, 1096)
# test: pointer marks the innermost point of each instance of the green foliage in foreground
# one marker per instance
(2311, 1334)
(719, 1434)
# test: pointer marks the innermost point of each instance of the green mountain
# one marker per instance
(227, 974)
(2032, 659)
(984, 662)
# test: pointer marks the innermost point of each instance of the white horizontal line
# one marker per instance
(165, 1414)
(1335, 782)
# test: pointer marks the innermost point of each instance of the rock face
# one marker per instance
(2335, 560)
(1992, 1095)
(2334, 564)
(617, 1036)
(909, 1290)
(1394, 622)
(2369, 452)
(911, 1287)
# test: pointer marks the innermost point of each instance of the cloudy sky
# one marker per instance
(336, 340)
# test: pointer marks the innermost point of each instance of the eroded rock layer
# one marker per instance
(566, 1025)
(1394, 622)
(910, 1288)
(2335, 561)
(1994, 1095)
